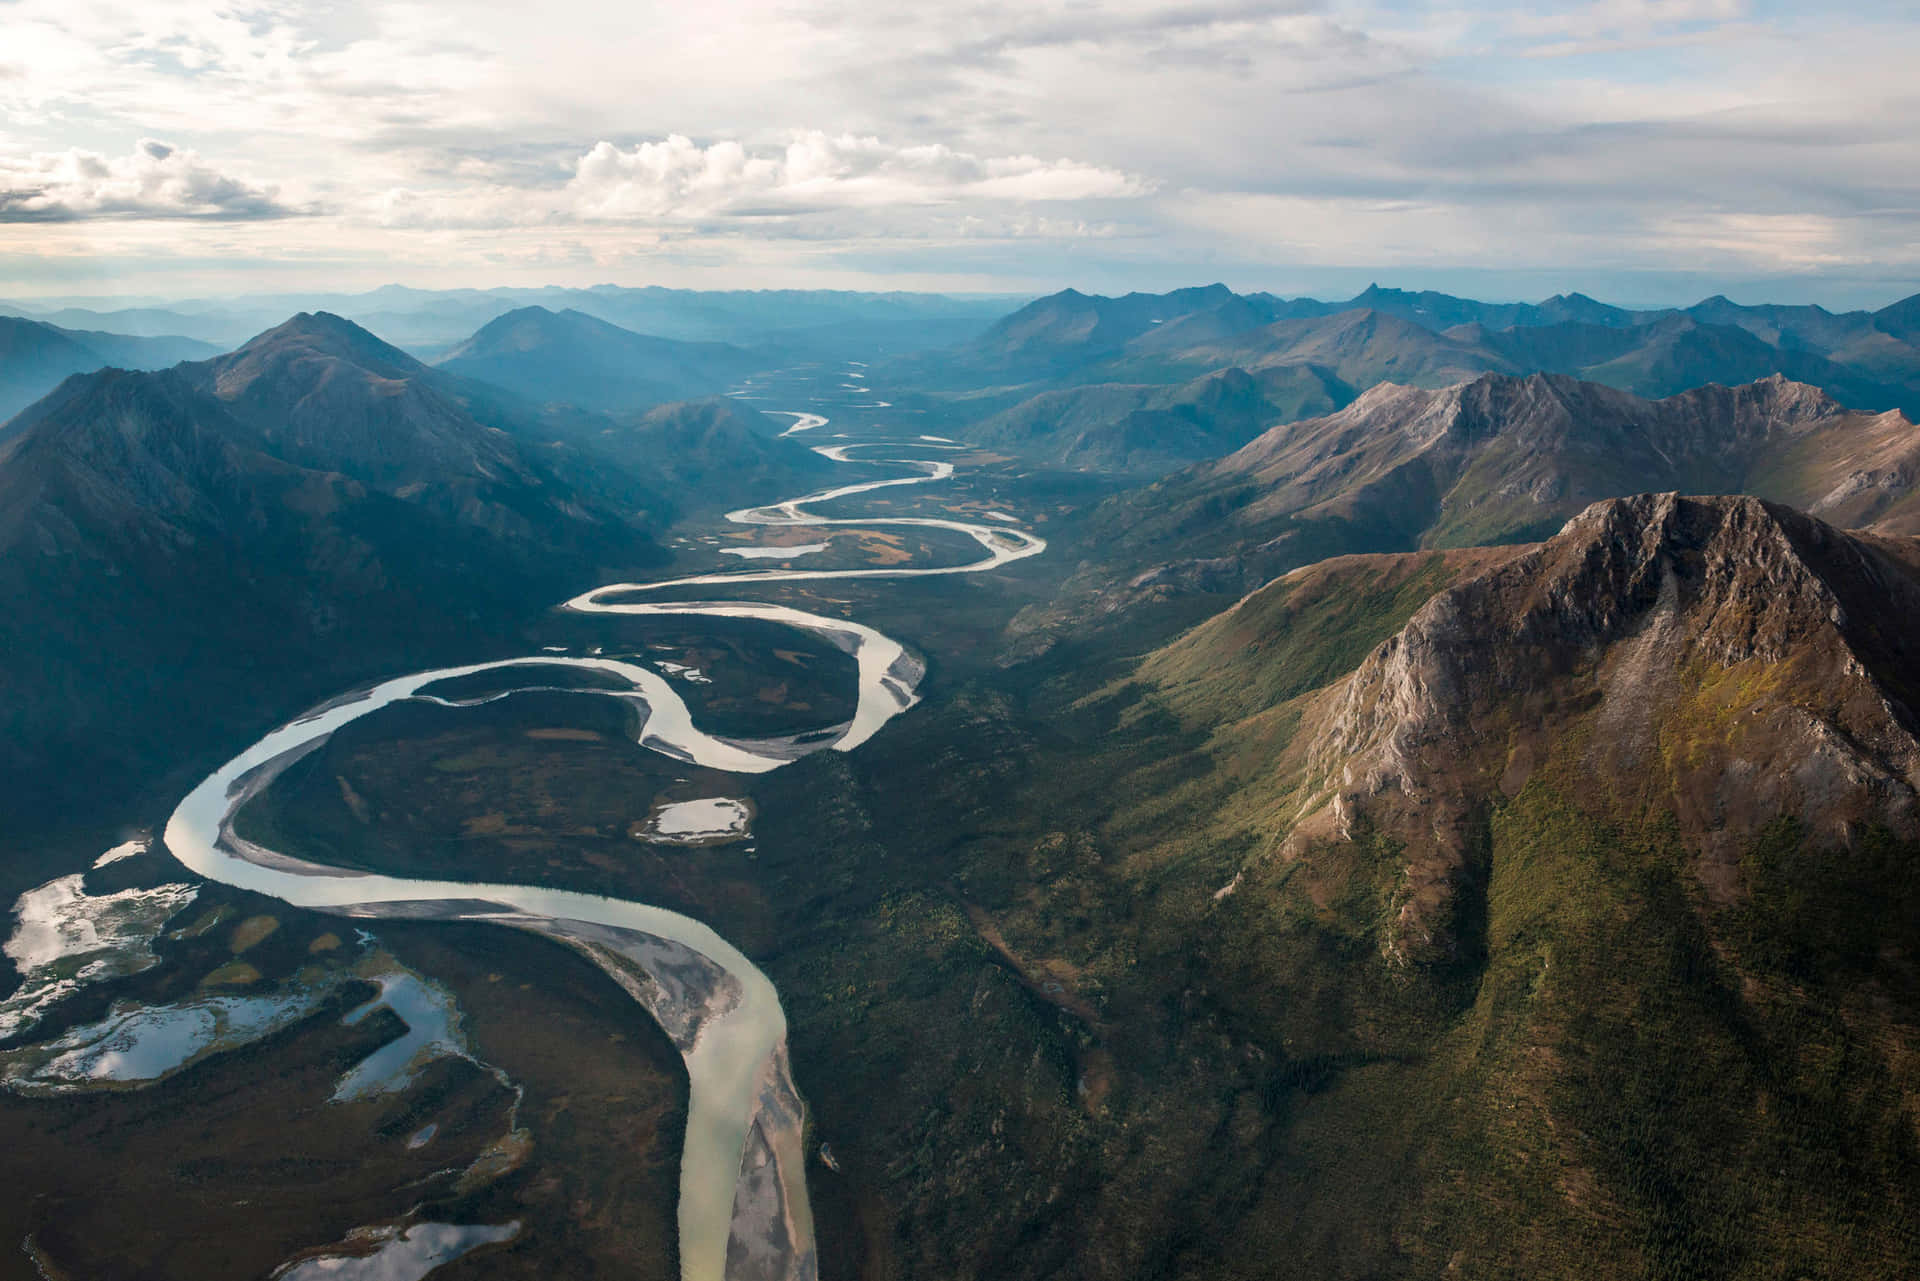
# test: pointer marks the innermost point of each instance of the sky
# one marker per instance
(1644, 151)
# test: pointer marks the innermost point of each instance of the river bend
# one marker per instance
(743, 1212)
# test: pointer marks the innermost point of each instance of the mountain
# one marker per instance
(802, 323)
(1660, 357)
(1074, 338)
(1901, 320)
(1071, 329)
(1594, 858)
(218, 327)
(1498, 459)
(1195, 325)
(1443, 311)
(573, 358)
(1118, 427)
(1806, 328)
(35, 357)
(1645, 617)
(314, 502)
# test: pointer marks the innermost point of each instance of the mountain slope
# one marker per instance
(1754, 664)
(1154, 428)
(313, 504)
(1065, 337)
(574, 358)
(1444, 311)
(1360, 347)
(1072, 326)
(1639, 807)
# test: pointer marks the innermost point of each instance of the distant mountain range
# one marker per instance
(35, 357)
(1027, 368)
(798, 323)
(1070, 330)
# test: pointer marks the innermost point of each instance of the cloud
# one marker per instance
(156, 180)
(1626, 19)
(837, 184)
(677, 179)
(780, 136)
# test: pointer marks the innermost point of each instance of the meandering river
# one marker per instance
(743, 1210)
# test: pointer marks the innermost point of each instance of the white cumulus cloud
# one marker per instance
(679, 179)
(155, 180)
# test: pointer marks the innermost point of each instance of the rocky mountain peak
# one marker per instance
(1706, 648)
(303, 348)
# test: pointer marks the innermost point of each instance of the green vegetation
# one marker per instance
(1060, 1005)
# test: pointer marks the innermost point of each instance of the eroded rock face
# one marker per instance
(1730, 659)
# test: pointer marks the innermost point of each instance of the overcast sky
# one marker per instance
(1641, 150)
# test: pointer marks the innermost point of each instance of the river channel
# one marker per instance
(743, 1212)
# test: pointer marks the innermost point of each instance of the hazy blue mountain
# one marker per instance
(570, 357)
(1070, 330)
(35, 357)
(1443, 311)
(1358, 347)
(221, 327)
(1676, 352)
(1901, 320)
(803, 323)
